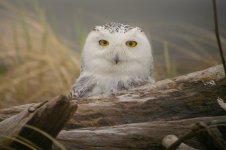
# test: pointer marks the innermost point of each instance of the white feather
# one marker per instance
(98, 66)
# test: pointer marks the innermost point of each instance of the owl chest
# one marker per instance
(104, 86)
(109, 85)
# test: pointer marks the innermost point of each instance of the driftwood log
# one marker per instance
(139, 118)
(187, 96)
(133, 136)
(28, 129)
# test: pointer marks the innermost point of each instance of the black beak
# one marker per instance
(116, 59)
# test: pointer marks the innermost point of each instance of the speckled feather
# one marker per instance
(114, 27)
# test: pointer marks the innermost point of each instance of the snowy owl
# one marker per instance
(115, 57)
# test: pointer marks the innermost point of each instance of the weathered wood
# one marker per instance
(171, 139)
(137, 136)
(30, 124)
(187, 96)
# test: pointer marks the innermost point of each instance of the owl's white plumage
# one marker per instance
(115, 66)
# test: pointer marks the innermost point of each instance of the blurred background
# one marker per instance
(41, 40)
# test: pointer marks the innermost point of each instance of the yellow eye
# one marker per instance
(131, 43)
(103, 43)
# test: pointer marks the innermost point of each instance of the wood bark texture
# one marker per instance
(28, 128)
(139, 118)
(134, 136)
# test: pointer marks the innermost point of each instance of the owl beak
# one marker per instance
(116, 59)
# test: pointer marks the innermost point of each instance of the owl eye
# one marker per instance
(103, 43)
(131, 43)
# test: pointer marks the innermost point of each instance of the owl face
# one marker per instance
(117, 50)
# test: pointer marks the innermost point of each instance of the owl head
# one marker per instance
(117, 49)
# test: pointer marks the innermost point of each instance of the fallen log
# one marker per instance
(187, 96)
(37, 126)
(136, 136)
(148, 113)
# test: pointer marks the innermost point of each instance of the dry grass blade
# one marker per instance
(19, 141)
(55, 142)
(218, 35)
(37, 63)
